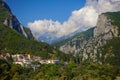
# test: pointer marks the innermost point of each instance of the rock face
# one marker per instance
(73, 44)
(104, 26)
(12, 22)
(103, 32)
(91, 47)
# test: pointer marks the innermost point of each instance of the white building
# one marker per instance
(19, 62)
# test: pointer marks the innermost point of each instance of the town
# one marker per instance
(28, 60)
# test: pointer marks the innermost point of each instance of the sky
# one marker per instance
(31, 10)
(51, 19)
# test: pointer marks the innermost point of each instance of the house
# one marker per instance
(49, 61)
(53, 61)
(19, 62)
(43, 62)
(18, 57)
(27, 63)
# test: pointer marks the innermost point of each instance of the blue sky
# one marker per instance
(49, 20)
(30, 10)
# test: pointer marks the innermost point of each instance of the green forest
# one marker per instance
(71, 71)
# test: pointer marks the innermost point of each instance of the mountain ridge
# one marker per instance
(105, 33)
(17, 39)
(11, 21)
(79, 38)
(96, 48)
(98, 56)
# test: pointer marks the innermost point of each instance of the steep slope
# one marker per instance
(11, 21)
(14, 38)
(103, 47)
(99, 44)
(13, 42)
(74, 43)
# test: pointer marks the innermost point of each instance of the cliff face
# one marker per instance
(95, 47)
(105, 31)
(104, 25)
(73, 44)
(11, 21)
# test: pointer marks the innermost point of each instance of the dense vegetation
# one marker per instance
(112, 49)
(70, 67)
(115, 17)
(13, 42)
(4, 13)
(72, 71)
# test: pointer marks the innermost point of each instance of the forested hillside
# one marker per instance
(97, 56)
(13, 41)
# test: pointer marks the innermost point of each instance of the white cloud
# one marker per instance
(81, 19)
(44, 27)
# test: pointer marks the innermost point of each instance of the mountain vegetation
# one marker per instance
(83, 71)
(10, 20)
(97, 56)
(114, 16)
(101, 50)
(12, 41)
(112, 47)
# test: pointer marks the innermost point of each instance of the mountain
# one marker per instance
(58, 40)
(14, 38)
(10, 20)
(104, 46)
(97, 56)
(99, 44)
(74, 43)
(53, 40)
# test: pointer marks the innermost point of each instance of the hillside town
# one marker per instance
(28, 60)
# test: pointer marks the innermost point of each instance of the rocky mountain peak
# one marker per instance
(105, 31)
(12, 22)
(104, 25)
(3, 4)
(91, 47)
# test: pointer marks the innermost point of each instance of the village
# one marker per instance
(28, 60)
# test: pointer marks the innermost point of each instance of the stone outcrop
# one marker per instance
(90, 48)
(12, 22)
(104, 26)
(76, 42)
(103, 32)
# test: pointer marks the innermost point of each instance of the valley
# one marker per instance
(93, 54)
